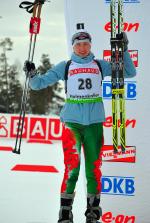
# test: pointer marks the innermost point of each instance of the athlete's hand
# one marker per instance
(29, 68)
(123, 36)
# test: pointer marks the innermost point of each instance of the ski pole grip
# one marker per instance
(27, 5)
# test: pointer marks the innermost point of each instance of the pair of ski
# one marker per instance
(117, 78)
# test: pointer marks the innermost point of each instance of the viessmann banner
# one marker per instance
(95, 15)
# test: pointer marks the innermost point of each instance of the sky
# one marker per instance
(14, 23)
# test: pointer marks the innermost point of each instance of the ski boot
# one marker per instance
(94, 211)
(65, 213)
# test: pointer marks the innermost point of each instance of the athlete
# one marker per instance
(82, 117)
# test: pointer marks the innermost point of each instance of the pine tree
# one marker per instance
(48, 100)
(5, 45)
(10, 87)
(15, 90)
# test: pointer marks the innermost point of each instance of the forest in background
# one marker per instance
(45, 101)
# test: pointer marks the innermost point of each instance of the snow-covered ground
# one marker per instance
(33, 197)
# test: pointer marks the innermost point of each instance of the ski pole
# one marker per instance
(35, 8)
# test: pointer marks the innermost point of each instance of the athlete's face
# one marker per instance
(82, 49)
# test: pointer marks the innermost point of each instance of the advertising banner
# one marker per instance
(95, 15)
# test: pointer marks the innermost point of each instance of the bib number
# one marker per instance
(84, 83)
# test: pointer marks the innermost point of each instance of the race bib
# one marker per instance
(84, 83)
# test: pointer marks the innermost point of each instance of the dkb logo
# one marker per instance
(130, 90)
(115, 185)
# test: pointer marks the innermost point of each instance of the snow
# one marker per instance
(33, 197)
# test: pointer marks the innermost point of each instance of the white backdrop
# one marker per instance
(30, 183)
(96, 17)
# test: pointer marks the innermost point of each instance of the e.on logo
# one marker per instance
(109, 122)
(128, 27)
(109, 218)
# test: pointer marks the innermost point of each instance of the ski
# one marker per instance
(117, 78)
(121, 78)
(114, 75)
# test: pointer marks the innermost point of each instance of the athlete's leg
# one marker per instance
(71, 141)
(93, 141)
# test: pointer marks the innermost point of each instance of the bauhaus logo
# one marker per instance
(128, 26)
(37, 128)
